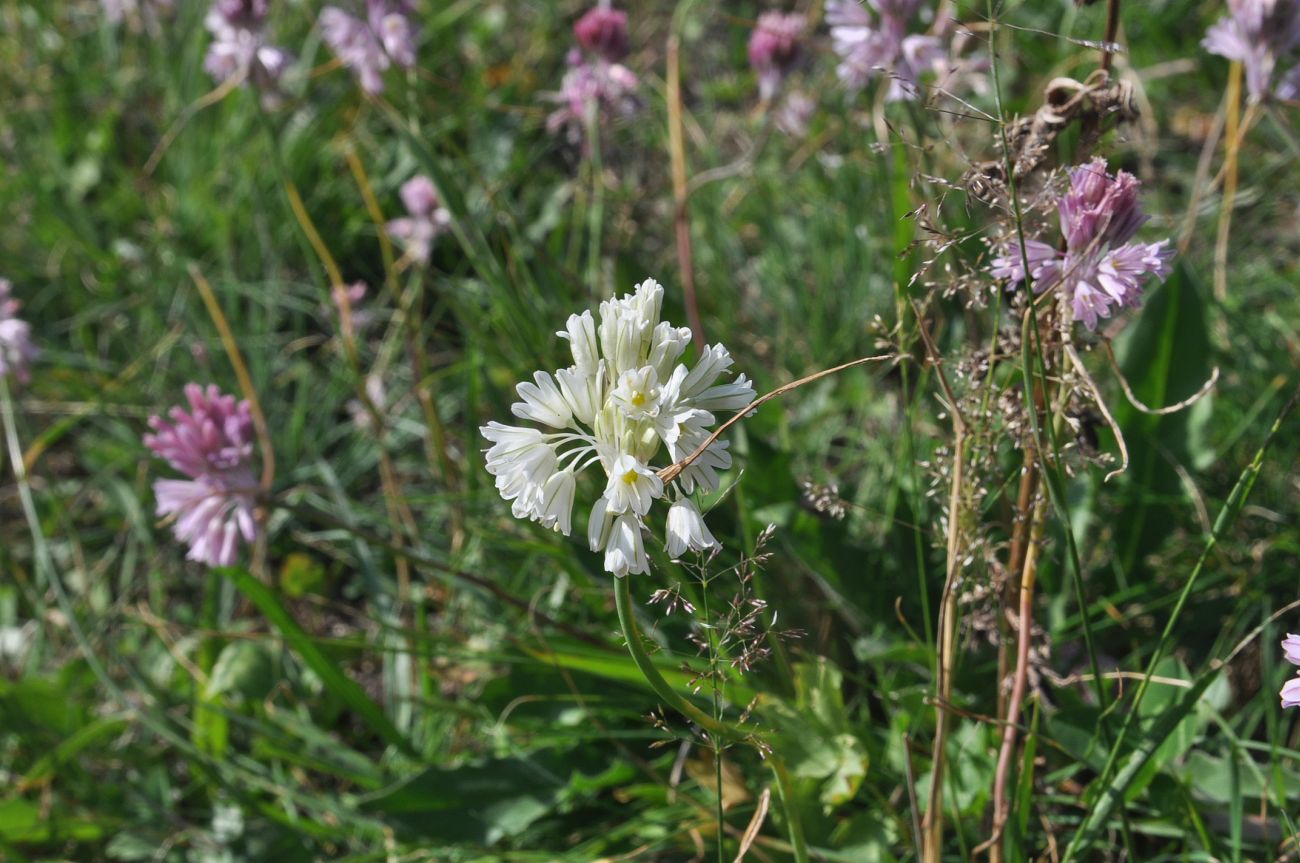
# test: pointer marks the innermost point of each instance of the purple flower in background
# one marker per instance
(1257, 34)
(212, 444)
(1101, 269)
(869, 45)
(608, 89)
(794, 113)
(426, 218)
(1291, 689)
(239, 45)
(774, 49)
(16, 348)
(369, 47)
(603, 32)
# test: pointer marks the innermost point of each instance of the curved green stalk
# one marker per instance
(674, 699)
(678, 702)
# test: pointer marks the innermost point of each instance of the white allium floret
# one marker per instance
(687, 530)
(626, 400)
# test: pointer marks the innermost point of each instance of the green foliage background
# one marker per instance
(365, 699)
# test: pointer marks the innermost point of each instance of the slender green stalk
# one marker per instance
(1227, 516)
(644, 664)
(716, 727)
(716, 683)
(785, 788)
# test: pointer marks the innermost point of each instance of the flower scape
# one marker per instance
(626, 398)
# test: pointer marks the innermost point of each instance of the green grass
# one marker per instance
(412, 674)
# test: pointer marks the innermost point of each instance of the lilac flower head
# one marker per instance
(609, 89)
(1100, 269)
(868, 46)
(1258, 33)
(350, 298)
(1291, 648)
(794, 113)
(1291, 689)
(16, 348)
(603, 32)
(212, 444)
(369, 47)
(1099, 206)
(774, 49)
(427, 218)
(239, 47)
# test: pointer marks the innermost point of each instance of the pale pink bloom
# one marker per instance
(794, 113)
(1291, 648)
(426, 218)
(212, 444)
(774, 49)
(1100, 269)
(239, 46)
(870, 45)
(1099, 206)
(1291, 693)
(1259, 33)
(16, 349)
(351, 297)
(603, 31)
(369, 47)
(608, 89)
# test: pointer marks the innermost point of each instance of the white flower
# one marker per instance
(556, 508)
(687, 530)
(581, 333)
(625, 400)
(637, 393)
(543, 402)
(583, 392)
(667, 344)
(625, 553)
(632, 486)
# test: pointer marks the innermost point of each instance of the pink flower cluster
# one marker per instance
(212, 444)
(774, 49)
(239, 45)
(16, 348)
(868, 45)
(1259, 34)
(426, 218)
(595, 81)
(1101, 269)
(368, 47)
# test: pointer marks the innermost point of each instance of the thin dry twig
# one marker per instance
(1105, 411)
(670, 473)
(1164, 411)
(241, 374)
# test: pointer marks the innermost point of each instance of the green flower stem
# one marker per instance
(792, 822)
(674, 699)
(716, 727)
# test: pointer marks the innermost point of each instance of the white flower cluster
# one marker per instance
(625, 397)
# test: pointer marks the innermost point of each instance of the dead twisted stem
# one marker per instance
(932, 847)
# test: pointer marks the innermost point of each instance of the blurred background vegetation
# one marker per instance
(415, 675)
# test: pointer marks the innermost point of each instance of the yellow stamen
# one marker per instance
(630, 477)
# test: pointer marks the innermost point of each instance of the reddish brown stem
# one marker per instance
(681, 193)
